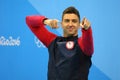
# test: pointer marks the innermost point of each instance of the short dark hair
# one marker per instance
(70, 10)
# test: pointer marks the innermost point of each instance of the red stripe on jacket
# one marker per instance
(36, 25)
(86, 42)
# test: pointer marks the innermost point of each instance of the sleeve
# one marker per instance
(35, 23)
(86, 42)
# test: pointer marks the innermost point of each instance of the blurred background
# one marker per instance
(24, 57)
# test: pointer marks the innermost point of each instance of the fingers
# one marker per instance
(85, 23)
(53, 24)
(81, 25)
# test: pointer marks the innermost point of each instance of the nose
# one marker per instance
(70, 23)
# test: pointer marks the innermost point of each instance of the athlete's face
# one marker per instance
(70, 24)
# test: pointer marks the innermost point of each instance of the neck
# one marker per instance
(64, 35)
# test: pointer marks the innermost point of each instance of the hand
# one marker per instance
(52, 23)
(85, 23)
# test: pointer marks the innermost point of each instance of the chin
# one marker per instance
(71, 34)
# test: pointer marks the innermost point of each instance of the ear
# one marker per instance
(61, 24)
(79, 26)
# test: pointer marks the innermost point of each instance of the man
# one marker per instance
(69, 55)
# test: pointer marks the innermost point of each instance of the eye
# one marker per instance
(66, 20)
(74, 21)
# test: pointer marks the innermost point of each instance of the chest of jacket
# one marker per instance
(66, 59)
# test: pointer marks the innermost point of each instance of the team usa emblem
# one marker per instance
(70, 45)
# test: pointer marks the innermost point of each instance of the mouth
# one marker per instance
(70, 28)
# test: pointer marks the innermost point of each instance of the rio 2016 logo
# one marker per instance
(39, 43)
(10, 41)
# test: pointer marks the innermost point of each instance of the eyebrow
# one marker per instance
(71, 19)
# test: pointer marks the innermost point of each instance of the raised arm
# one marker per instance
(86, 40)
(37, 26)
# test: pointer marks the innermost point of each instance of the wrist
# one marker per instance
(86, 27)
(45, 21)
